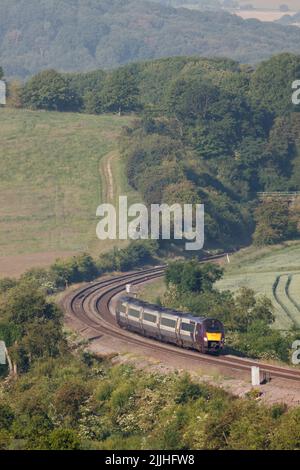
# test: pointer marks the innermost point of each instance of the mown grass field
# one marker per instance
(51, 181)
(259, 270)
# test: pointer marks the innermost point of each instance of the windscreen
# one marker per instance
(213, 326)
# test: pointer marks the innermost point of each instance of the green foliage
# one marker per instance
(260, 340)
(120, 92)
(60, 405)
(7, 283)
(250, 309)
(79, 268)
(192, 276)
(136, 254)
(30, 325)
(63, 439)
(6, 416)
(275, 223)
(271, 83)
(69, 398)
(51, 91)
(286, 435)
(211, 141)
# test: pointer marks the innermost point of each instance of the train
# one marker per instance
(203, 334)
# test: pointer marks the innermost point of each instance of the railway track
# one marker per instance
(90, 306)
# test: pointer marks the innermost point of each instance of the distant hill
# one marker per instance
(290, 19)
(81, 35)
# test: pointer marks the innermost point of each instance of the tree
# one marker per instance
(271, 82)
(120, 92)
(190, 276)
(274, 223)
(192, 99)
(69, 398)
(25, 304)
(50, 90)
(249, 308)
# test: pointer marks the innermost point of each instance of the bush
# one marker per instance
(69, 398)
(63, 439)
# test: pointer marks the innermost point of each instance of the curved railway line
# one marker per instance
(90, 306)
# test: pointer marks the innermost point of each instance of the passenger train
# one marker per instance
(170, 326)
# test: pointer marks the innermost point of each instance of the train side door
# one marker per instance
(141, 320)
(199, 337)
(126, 314)
(177, 332)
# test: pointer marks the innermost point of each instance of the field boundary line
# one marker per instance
(280, 303)
(287, 290)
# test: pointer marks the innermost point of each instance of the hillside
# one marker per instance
(51, 182)
(87, 34)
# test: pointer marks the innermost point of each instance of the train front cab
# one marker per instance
(212, 336)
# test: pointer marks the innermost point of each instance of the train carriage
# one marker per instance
(170, 326)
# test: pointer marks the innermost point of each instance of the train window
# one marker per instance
(134, 313)
(150, 317)
(168, 322)
(188, 327)
(213, 326)
(123, 308)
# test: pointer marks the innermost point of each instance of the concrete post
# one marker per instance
(255, 376)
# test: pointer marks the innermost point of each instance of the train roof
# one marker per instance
(157, 308)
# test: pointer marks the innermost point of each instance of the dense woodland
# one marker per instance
(81, 35)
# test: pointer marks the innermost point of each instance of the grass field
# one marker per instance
(267, 271)
(152, 291)
(51, 182)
